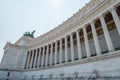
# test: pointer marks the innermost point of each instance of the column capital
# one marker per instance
(66, 36)
(71, 33)
(101, 16)
(92, 22)
(44, 46)
(84, 27)
(112, 9)
(51, 43)
(77, 30)
(56, 41)
(60, 39)
(47, 45)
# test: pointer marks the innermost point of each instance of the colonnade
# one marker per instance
(60, 51)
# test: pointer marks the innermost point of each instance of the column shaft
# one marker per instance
(72, 47)
(28, 60)
(78, 45)
(86, 43)
(95, 38)
(116, 19)
(51, 53)
(31, 62)
(39, 55)
(55, 57)
(43, 55)
(35, 60)
(47, 55)
(60, 51)
(66, 50)
(106, 34)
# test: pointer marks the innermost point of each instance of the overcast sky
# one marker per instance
(19, 16)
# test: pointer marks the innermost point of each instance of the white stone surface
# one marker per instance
(14, 57)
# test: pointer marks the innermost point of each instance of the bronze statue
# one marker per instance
(29, 34)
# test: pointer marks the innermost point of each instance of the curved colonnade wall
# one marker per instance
(95, 34)
(88, 41)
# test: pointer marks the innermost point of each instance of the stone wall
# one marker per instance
(14, 57)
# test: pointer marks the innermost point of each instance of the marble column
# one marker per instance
(55, 57)
(66, 50)
(47, 55)
(86, 42)
(28, 60)
(39, 55)
(35, 60)
(72, 47)
(106, 34)
(78, 45)
(43, 55)
(95, 38)
(31, 62)
(60, 57)
(115, 18)
(51, 53)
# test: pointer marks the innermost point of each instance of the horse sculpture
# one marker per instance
(29, 34)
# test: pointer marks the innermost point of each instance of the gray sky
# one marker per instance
(18, 16)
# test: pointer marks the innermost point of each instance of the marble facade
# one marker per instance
(88, 41)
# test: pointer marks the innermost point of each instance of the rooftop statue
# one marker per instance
(29, 34)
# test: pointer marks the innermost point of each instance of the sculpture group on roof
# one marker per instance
(29, 34)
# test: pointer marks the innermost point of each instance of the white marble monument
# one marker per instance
(88, 43)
